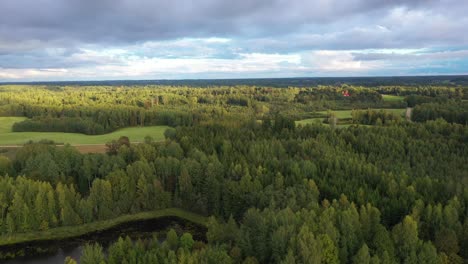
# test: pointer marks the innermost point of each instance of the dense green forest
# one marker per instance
(384, 189)
(99, 110)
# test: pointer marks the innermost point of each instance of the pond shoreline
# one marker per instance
(36, 242)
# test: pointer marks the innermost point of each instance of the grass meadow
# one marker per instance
(136, 134)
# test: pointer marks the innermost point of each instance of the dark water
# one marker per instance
(55, 251)
(57, 257)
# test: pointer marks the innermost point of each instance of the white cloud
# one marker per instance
(337, 61)
(124, 64)
(256, 62)
(20, 74)
(144, 67)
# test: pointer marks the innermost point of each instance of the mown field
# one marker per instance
(392, 98)
(342, 114)
(347, 113)
(136, 134)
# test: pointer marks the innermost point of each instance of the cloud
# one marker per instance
(53, 39)
(142, 20)
(138, 67)
(413, 55)
(338, 61)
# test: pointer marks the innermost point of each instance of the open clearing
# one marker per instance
(319, 120)
(392, 98)
(136, 134)
(343, 114)
(316, 120)
(340, 114)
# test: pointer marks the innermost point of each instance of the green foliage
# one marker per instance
(277, 193)
(172, 239)
(373, 117)
(124, 250)
(186, 241)
(6, 166)
(92, 254)
(114, 146)
(362, 256)
(136, 134)
(453, 112)
(69, 260)
(68, 125)
(65, 232)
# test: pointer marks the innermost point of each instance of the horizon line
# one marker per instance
(233, 79)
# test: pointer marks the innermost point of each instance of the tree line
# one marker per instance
(455, 112)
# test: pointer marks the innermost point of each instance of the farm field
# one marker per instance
(319, 120)
(340, 114)
(316, 120)
(135, 134)
(392, 98)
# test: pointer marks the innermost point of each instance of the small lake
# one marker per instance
(55, 251)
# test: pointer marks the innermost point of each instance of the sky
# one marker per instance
(59, 40)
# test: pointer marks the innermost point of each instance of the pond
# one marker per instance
(55, 251)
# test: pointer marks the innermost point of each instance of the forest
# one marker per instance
(437, 80)
(371, 187)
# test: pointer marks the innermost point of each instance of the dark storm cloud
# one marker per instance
(141, 20)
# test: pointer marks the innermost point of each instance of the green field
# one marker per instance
(319, 120)
(136, 134)
(340, 114)
(316, 120)
(392, 98)
(65, 232)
